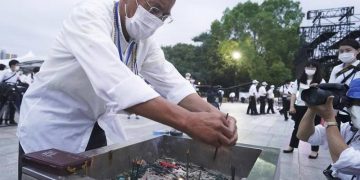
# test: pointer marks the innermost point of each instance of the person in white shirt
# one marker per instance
(270, 99)
(232, 96)
(252, 98)
(2, 71)
(285, 94)
(262, 97)
(310, 76)
(2, 87)
(348, 70)
(91, 74)
(220, 95)
(344, 145)
(11, 77)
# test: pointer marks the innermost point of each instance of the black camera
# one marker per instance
(318, 95)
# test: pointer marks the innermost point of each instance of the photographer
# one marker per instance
(347, 70)
(344, 145)
(9, 80)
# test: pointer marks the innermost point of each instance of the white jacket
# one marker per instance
(348, 163)
(84, 80)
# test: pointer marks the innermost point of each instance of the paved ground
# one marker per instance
(263, 130)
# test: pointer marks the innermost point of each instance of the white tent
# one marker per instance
(28, 58)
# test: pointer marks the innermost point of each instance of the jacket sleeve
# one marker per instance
(348, 162)
(163, 76)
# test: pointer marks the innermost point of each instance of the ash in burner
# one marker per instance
(169, 169)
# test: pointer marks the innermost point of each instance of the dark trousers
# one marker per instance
(270, 106)
(252, 106)
(12, 113)
(300, 111)
(262, 104)
(286, 107)
(97, 140)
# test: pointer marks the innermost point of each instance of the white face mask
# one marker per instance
(355, 115)
(143, 24)
(310, 72)
(347, 57)
(17, 68)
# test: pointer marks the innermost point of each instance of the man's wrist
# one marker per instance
(330, 123)
(330, 119)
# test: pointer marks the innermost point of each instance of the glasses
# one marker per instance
(167, 19)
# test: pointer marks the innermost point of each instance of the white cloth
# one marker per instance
(2, 74)
(298, 88)
(262, 91)
(270, 93)
(253, 90)
(232, 94)
(349, 160)
(285, 90)
(10, 76)
(338, 68)
(83, 78)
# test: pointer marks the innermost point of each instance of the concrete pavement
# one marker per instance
(263, 130)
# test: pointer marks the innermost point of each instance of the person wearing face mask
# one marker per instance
(344, 144)
(270, 98)
(262, 97)
(91, 75)
(347, 70)
(11, 77)
(311, 75)
(285, 94)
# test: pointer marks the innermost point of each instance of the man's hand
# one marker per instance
(326, 111)
(292, 110)
(212, 128)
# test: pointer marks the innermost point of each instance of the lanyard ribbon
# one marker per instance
(129, 53)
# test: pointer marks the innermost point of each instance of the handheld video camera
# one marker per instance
(318, 95)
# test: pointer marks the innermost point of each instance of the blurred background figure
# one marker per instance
(252, 98)
(284, 91)
(212, 95)
(270, 99)
(311, 75)
(232, 97)
(262, 97)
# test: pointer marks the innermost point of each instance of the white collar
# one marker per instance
(355, 63)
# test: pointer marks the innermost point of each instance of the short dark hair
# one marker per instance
(2, 67)
(350, 42)
(13, 62)
(36, 69)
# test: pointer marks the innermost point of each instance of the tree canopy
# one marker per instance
(265, 35)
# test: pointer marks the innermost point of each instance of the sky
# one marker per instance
(33, 25)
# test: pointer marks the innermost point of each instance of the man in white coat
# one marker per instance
(91, 73)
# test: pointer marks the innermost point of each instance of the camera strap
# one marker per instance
(9, 77)
(355, 70)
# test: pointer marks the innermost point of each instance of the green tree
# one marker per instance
(265, 34)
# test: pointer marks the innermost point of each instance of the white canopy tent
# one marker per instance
(29, 59)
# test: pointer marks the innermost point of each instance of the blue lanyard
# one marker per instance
(117, 38)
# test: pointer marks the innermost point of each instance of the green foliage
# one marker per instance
(265, 34)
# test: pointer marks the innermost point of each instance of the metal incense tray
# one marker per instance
(250, 162)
